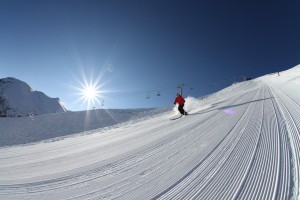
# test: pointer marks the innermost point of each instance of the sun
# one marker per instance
(89, 89)
(90, 92)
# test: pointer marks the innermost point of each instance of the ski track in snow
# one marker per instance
(251, 154)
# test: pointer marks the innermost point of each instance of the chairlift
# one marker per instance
(31, 116)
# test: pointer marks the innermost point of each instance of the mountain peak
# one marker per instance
(17, 98)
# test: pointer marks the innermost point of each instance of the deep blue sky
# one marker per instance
(138, 48)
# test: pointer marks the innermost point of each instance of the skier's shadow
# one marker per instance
(226, 107)
(203, 111)
(210, 109)
(236, 105)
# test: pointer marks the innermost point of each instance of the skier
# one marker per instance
(180, 100)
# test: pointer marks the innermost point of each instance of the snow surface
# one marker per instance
(51, 127)
(240, 143)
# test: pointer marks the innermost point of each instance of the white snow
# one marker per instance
(240, 143)
(56, 126)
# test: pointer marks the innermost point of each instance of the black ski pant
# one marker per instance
(181, 110)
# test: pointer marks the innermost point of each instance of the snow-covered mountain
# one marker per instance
(18, 99)
(242, 142)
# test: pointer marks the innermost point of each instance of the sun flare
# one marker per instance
(89, 89)
(90, 92)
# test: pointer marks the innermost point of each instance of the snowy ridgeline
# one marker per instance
(43, 127)
(18, 99)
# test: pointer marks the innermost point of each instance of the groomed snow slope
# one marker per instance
(54, 126)
(240, 143)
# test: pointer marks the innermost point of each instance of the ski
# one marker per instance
(176, 117)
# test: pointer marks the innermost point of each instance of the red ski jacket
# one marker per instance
(180, 100)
